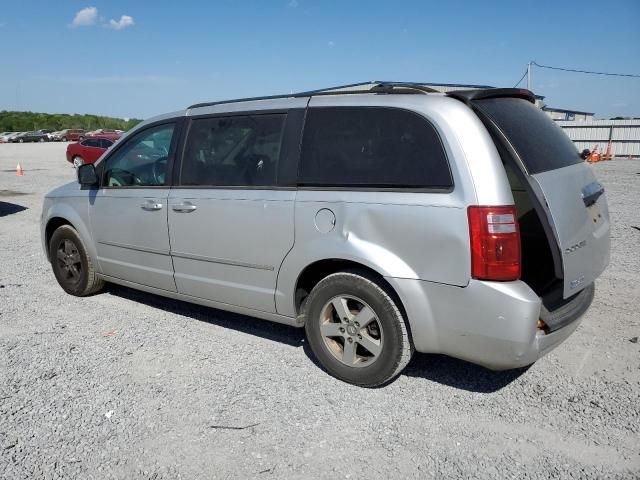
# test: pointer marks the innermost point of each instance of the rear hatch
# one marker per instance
(570, 199)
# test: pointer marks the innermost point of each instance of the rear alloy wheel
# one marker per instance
(351, 331)
(78, 161)
(64, 139)
(72, 267)
(356, 330)
(21, 141)
(41, 139)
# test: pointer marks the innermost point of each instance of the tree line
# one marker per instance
(29, 121)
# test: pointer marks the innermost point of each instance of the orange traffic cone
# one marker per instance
(19, 171)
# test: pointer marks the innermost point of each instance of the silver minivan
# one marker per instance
(384, 219)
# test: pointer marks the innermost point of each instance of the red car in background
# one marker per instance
(71, 134)
(102, 133)
(89, 150)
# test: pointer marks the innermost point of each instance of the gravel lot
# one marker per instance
(131, 385)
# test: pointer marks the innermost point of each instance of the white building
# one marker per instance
(568, 115)
(624, 136)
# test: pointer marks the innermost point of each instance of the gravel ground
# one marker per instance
(130, 385)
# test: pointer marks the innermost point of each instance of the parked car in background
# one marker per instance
(71, 134)
(30, 137)
(102, 133)
(4, 136)
(464, 224)
(10, 136)
(88, 150)
(54, 136)
(15, 137)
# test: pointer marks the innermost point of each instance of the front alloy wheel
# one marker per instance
(69, 263)
(78, 161)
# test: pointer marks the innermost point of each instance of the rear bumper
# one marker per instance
(492, 324)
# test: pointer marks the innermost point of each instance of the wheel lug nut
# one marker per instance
(341, 330)
(357, 324)
(350, 340)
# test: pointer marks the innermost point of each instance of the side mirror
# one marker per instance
(87, 176)
(585, 154)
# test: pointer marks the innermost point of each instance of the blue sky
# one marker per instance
(141, 58)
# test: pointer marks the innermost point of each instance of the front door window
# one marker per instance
(142, 161)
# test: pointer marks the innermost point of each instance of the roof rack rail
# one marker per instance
(388, 87)
(368, 87)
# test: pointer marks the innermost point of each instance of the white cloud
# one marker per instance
(85, 17)
(293, 3)
(124, 22)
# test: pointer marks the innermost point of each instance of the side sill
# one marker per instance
(273, 317)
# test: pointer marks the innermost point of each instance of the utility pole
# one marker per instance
(529, 76)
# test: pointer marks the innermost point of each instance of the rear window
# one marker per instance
(541, 144)
(372, 147)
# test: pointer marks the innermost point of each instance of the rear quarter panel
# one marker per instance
(403, 235)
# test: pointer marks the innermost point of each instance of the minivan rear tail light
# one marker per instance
(495, 243)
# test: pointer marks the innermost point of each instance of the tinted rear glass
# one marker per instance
(541, 143)
(372, 147)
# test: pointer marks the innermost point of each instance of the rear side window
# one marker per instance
(372, 147)
(541, 144)
(233, 151)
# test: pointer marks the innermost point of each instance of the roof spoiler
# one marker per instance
(468, 96)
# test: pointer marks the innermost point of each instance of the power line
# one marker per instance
(584, 71)
(521, 78)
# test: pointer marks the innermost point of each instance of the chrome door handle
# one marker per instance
(151, 205)
(184, 207)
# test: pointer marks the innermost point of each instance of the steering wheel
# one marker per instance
(159, 170)
(114, 182)
(118, 176)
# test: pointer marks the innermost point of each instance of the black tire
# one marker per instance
(84, 281)
(396, 347)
